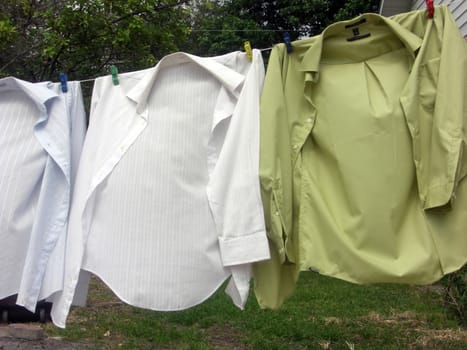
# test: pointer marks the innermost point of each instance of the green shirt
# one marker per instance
(363, 154)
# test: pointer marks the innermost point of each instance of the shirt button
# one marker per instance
(276, 213)
(295, 147)
(308, 120)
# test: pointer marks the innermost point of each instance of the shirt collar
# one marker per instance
(310, 61)
(40, 94)
(229, 78)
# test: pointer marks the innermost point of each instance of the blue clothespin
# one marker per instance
(63, 81)
(288, 44)
(114, 72)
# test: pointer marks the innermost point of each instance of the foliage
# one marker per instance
(351, 8)
(455, 294)
(217, 28)
(264, 22)
(39, 39)
(7, 32)
(83, 37)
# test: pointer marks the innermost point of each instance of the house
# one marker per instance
(458, 9)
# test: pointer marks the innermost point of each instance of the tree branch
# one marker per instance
(16, 58)
(140, 12)
(54, 62)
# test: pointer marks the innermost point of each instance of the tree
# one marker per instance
(229, 23)
(40, 38)
(219, 27)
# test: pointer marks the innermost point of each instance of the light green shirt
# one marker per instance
(364, 154)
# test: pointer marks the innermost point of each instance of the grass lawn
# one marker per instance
(324, 313)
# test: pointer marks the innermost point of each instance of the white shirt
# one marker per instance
(41, 132)
(167, 203)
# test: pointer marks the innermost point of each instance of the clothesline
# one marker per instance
(87, 80)
(285, 31)
(226, 30)
(245, 30)
(92, 79)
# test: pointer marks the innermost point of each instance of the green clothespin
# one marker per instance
(114, 72)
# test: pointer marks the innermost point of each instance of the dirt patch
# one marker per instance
(402, 318)
(332, 320)
(44, 344)
(225, 337)
(426, 338)
(430, 336)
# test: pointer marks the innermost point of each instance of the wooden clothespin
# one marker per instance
(248, 51)
(114, 72)
(430, 8)
(63, 81)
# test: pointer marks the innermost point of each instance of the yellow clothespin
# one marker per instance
(249, 52)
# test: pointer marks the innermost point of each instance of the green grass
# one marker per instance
(324, 313)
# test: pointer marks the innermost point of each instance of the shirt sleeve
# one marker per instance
(275, 279)
(233, 189)
(275, 156)
(439, 131)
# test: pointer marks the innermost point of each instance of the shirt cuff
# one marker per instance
(439, 196)
(244, 249)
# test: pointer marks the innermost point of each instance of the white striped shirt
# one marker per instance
(39, 152)
(167, 203)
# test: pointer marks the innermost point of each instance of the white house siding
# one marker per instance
(458, 9)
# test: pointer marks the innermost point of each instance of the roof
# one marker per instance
(393, 7)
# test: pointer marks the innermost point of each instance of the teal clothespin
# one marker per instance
(63, 81)
(114, 72)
